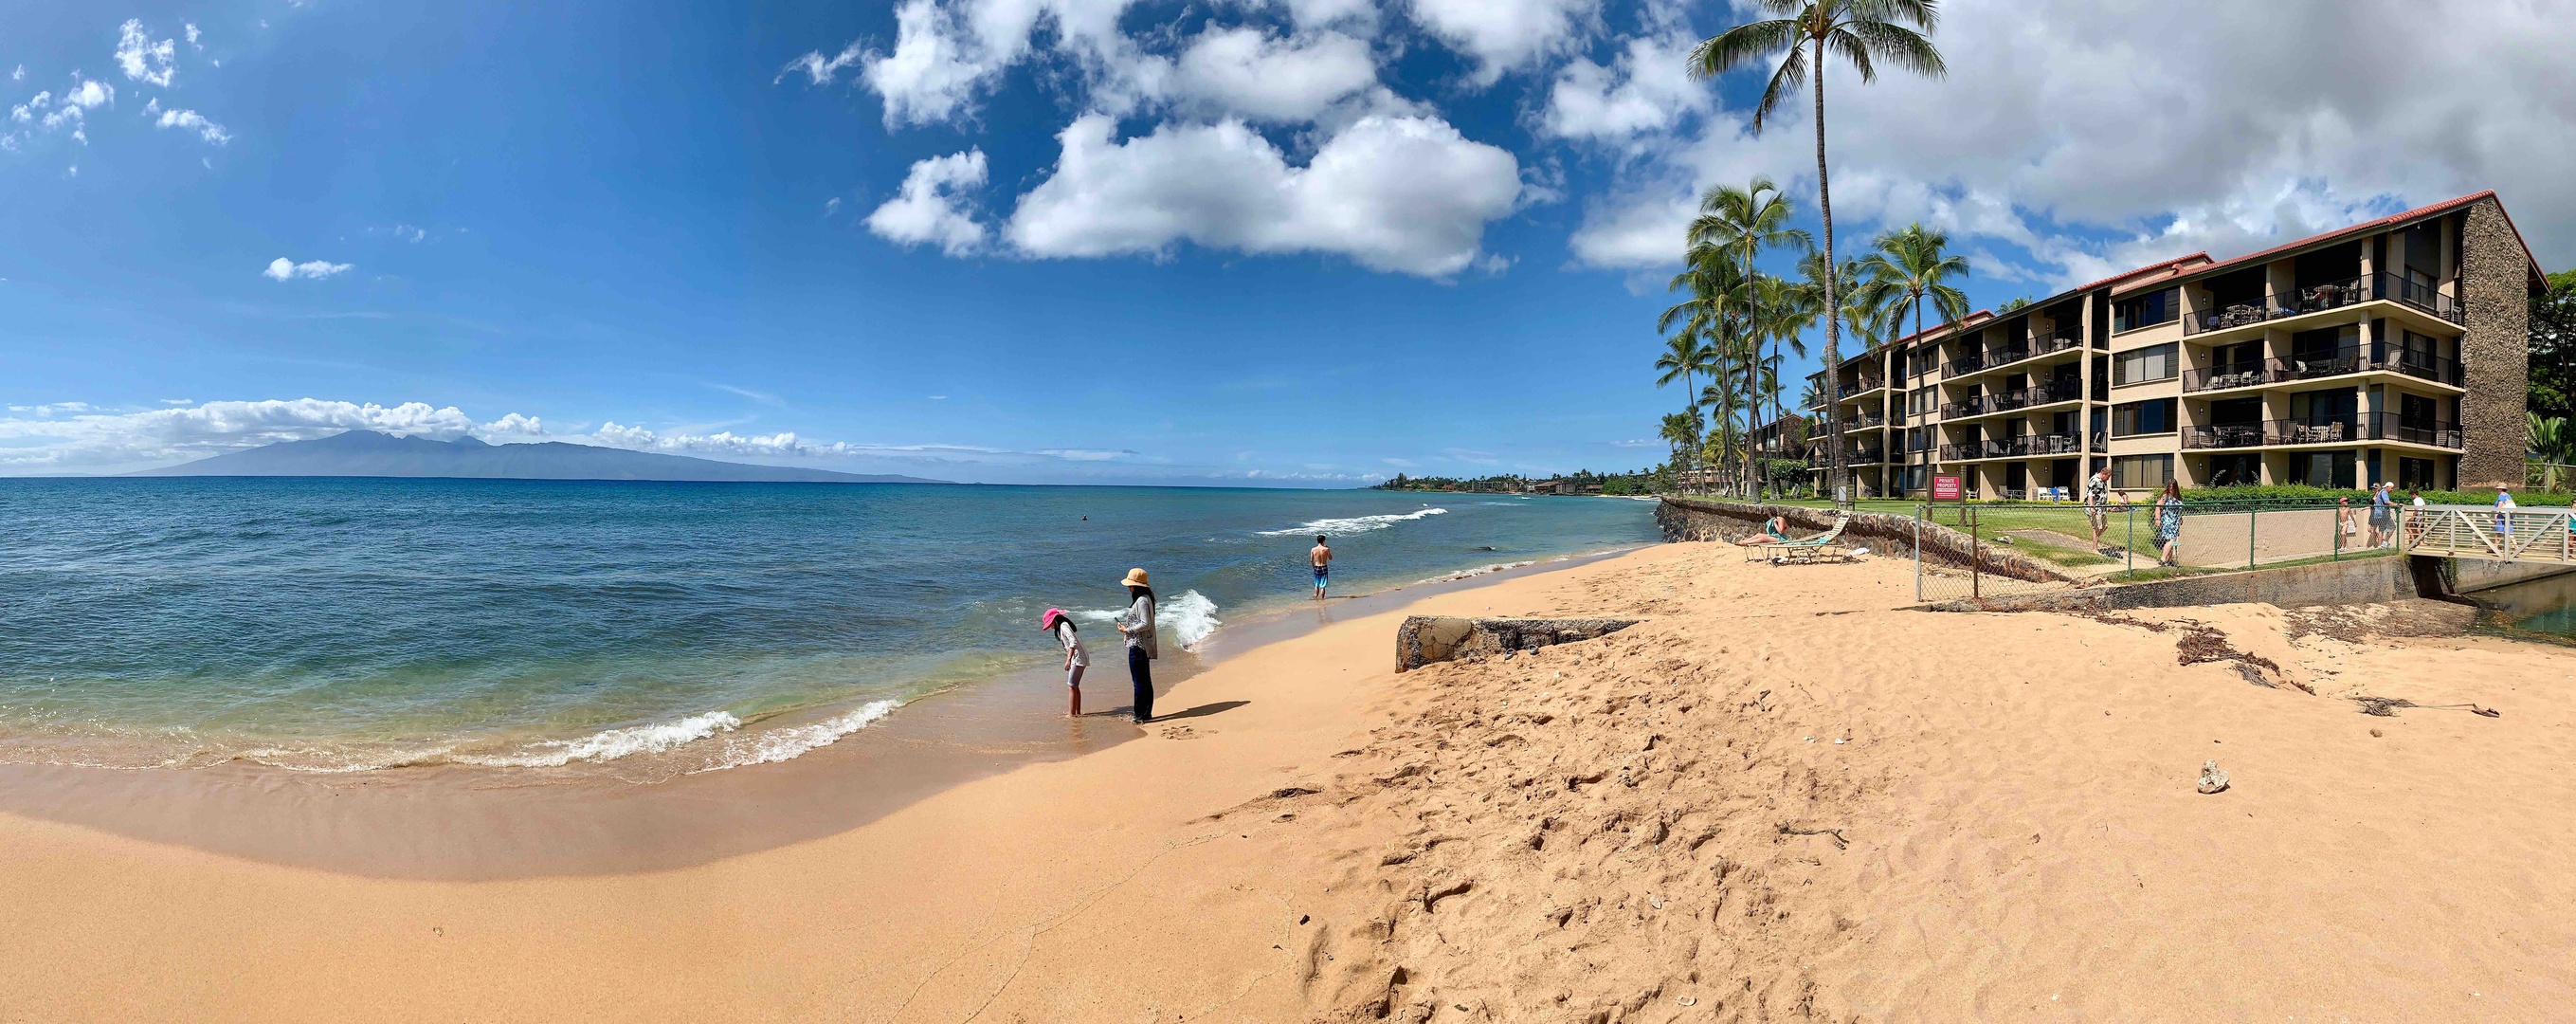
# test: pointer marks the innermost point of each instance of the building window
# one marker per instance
(2155, 416)
(2323, 469)
(2156, 307)
(2415, 474)
(2141, 472)
(2152, 363)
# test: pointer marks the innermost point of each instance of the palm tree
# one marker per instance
(1861, 32)
(1911, 270)
(1746, 221)
(1713, 313)
(1782, 314)
(1680, 430)
(1682, 358)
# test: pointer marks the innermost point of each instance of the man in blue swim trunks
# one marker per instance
(1322, 560)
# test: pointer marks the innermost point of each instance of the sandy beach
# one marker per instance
(1782, 797)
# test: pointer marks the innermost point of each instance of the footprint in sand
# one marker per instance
(1180, 732)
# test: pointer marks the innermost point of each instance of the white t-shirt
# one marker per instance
(1072, 642)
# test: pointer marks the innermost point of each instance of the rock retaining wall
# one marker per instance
(1881, 532)
(1424, 639)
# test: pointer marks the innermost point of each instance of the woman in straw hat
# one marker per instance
(1138, 624)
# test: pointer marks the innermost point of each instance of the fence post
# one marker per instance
(2250, 516)
(1976, 556)
(1919, 513)
(2129, 551)
(2337, 556)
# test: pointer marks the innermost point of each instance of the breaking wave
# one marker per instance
(1354, 524)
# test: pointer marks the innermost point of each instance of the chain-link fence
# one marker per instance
(1979, 550)
(2003, 549)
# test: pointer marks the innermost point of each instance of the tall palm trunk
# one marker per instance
(1840, 476)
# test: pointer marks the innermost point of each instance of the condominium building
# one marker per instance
(2389, 350)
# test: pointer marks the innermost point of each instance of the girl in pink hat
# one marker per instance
(1075, 659)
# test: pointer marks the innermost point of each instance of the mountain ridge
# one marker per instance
(368, 453)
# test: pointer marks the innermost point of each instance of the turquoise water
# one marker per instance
(347, 625)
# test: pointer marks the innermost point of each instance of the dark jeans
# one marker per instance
(1141, 669)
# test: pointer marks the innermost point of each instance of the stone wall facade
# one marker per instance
(2495, 280)
(1883, 533)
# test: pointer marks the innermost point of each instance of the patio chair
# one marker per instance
(1820, 547)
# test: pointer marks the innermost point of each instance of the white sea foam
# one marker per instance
(1477, 571)
(1355, 524)
(768, 745)
(609, 745)
(1184, 620)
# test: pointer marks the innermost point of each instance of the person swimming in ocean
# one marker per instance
(1321, 560)
(1075, 658)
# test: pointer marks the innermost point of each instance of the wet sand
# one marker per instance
(1780, 798)
(473, 823)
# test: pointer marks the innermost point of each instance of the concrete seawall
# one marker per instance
(2360, 581)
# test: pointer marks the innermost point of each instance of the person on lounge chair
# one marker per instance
(1774, 532)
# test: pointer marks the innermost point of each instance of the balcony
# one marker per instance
(2291, 371)
(2332, 295)
(1866, 457)
(2024, 446)
(2377, 426)
(1866, 420)
(1965, 365)
(2007, 401)
(1864, 384)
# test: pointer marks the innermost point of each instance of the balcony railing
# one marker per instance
(2007, 401)
(2023, 446)
(2377, 426)
(2289, 371)
(1965, 365)
(1866, 457)
(2331, 295)
(1864, 383)
(1865, 420)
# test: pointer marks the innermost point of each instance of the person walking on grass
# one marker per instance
(1075, 658)
(2169, 524)
(1137, 622)
(2097, 504)
(2347, 522)
(2383, 514)
(1321, 560)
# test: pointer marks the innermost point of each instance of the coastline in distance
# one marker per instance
(369, 453)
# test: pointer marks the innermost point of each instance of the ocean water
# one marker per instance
(338, 625)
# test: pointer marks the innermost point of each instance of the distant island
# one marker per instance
(368, 453)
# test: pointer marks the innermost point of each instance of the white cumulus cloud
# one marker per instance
(927, 209)
(283, 269)
(143, 59)
(1262, 77)
(98, 439)
(1645, 89)
(195, 122)
(1406, 194)
(1505, 35)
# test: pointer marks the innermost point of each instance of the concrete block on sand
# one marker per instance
(1424, 639)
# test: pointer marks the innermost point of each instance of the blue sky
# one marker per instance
(1308, 242)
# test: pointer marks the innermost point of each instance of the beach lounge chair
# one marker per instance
(1819, 548)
